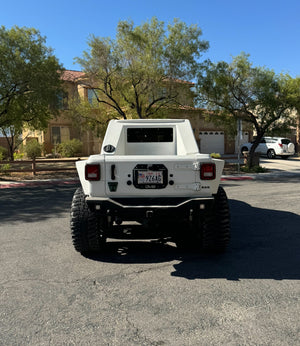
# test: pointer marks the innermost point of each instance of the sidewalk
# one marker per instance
(276, 168)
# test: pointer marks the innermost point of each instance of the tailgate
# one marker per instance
(148, 176)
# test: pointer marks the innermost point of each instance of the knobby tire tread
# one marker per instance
(216, 227)
(86, 228)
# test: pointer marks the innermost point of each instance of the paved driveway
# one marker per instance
(291, 165)
(144, 292)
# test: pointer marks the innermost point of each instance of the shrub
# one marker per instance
(18, 156)
(3, 153)
(70, 148)
(5, 167)
(33, 149)
(215, 155)
(254, 169)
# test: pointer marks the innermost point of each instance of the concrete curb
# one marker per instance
(236, 177)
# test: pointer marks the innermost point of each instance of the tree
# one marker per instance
(136, 74)
(254, 94)
(29, 82)
(294, 85)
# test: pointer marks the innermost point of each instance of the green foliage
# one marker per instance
(136, 75)
(29, 79)
(257, 95)
(84, 116)
(33, 149)
(5, 167)
(70, 148)
(3, 153)
(253, 169)
(18, 156)
(215, 155)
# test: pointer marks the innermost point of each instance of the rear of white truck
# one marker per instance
(151, 172)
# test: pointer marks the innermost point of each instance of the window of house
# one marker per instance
(63, 100)
(91, 95)
(59, 134)
(55, 135)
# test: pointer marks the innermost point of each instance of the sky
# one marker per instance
(267, 30)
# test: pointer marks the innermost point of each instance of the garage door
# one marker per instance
(211, 142)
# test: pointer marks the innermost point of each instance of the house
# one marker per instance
(62, 128)
(210, 137)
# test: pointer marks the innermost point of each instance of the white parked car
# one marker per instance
(272, 147)
(150, 172)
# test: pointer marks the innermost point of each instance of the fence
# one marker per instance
(56, 165)
(35, 166)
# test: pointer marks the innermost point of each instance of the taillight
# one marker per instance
(208, 171)
(92, 172)
(280, 145)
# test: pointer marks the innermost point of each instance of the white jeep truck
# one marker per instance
(150, 173)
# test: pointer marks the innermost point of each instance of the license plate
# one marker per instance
(150, 177)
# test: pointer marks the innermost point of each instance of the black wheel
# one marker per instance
(87, 229)
(271, 154)
(216, 225)
(243, 150)
(209, 231)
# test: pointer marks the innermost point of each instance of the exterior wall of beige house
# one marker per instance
(62, 128)
(210, 138)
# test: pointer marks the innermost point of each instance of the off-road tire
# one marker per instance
(244, 149)
(216, 225)
(208, 232)
(87, 229)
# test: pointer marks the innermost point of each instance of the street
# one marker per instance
(292, 165)
(146, 292)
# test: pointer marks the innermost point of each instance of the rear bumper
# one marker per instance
(156, 203)
(133, 208)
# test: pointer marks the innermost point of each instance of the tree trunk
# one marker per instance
(251, 161)
(11, 148)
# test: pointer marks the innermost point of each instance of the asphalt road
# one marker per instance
(277, 165)
(143, 292)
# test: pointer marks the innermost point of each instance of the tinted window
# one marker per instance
(149, 135)
(285, 141)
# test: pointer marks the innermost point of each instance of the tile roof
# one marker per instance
(72, 76)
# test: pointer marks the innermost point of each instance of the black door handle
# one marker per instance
(113, 170)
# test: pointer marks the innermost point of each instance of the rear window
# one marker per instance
(149, 135)
(285, 141)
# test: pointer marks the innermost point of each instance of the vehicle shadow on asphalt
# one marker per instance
(264, 245)
(30, 204)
